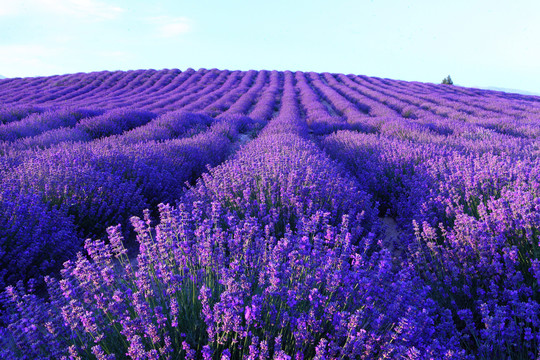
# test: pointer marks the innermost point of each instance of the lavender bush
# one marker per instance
(38, 123)
(34, 239)
(15, 113)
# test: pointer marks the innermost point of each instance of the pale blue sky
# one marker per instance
(479, 43)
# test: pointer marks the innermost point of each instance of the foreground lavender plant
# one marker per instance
(34, 240)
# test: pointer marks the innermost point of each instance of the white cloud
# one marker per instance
(167, 26)
(30, 60)
(114, 54)
(9, 7)
(85, 9)
(30, 50)
(44, 60)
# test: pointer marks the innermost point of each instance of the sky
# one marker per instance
(493, 43)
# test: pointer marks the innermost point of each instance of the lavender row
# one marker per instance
(289, 118)
(207, 99)
(341, 104)
(69, 125)
(102, 183)
(167, 90)
(403, 105)
(231, 96)
(470, 222)
(211, 86)
(271, 255)
(10, 114)
(345, 87)
(195, 82)
(439, 109)
(114, 122)
(513, 126)
(267, 106)
(210, 82)
(171, 125)
(38, 123)
(320, 118)
(457, 106)
(173, 87)
(35, 240)
(248, 99)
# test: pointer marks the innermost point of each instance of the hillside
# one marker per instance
(191, 90)
(267, 214)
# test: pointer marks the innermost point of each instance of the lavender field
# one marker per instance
(218, 214)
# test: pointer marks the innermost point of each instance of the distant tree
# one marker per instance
(447, 80)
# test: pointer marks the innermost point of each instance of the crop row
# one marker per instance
(100, 183)
(214, 92)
